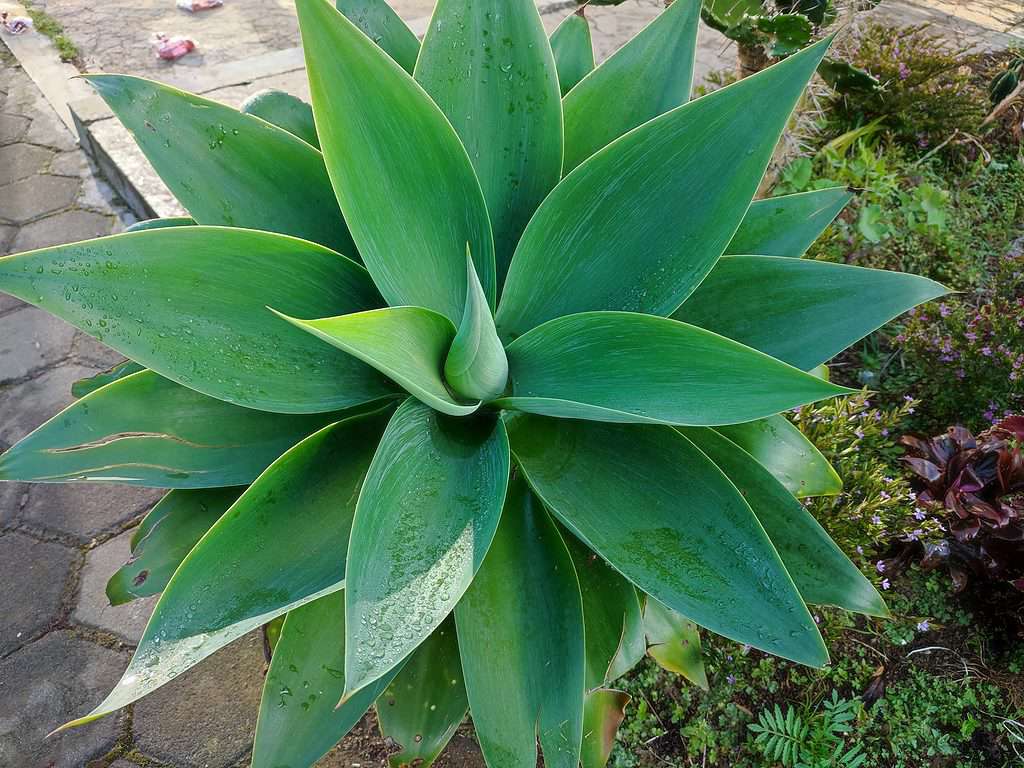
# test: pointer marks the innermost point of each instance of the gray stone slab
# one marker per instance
(13, 497)
(8, 303)
(19, 161)
(36, 568)
(87, 351)
(13, 128)
(86, 510)
(31, 198)
(92, 607)
(25, 406)
(67, 227)
(55, 679)
(30, 339)
(206, 717)
(72, 163)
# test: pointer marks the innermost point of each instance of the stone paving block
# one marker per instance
(88, 351)
(60, 228)
(94, 609)
(86, 510)
(29, 339)
(12, 128)
(73, 163)
(30, 198)
(19, 161)
(25, 406)
(7, 303)
(6, 235)
(13, 496)
(48, 683)
(50, 132)
(206, 717)
(29, 567)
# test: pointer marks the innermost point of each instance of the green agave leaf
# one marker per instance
(426, 702)
(146, 430)
(520, 628)
(86, 386)
(476, 366)
(281, 545)
(290, 113)
(674, 642)
(407, 344)
(802, 312)
(640, 224)
(787, 225)
(603, 713)
(190, 303)
(781, 448)
(402, 177)
(612, 617)
(171, 221)
(226, 167)
(298, 722)
(820, 570)
(379, 22)
(646, 77)
(165, 537)
(620, 366)
(697, 547)
(272, 633)
(502, 98)
(426, 515)
(573, 50)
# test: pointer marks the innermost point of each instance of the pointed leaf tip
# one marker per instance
(476, 366)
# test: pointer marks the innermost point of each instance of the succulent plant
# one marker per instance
(459, 502)
(979, 481)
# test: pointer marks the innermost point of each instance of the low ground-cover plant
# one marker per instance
(965, 355)
(937, 684)
(926, 89)
(460, 501)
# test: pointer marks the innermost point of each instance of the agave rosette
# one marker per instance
(459, 501)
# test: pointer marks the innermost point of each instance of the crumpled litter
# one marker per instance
(173, 48)
(14, 25)
(199, 5)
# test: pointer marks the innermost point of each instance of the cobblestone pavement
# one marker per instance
(117, 35)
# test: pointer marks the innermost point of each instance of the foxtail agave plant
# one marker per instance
(459, 502)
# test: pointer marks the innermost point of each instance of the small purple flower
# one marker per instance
(880, 566)
(876, 520)
(817, 619)
(885, 584)
(904, 71)
(986, 351)
(731, 679)
(919, 514)
(859, 433)
(860, 550)
(943, 310)
(885, 432)
(923, 626)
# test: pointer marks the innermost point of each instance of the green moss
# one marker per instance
(47, 25)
